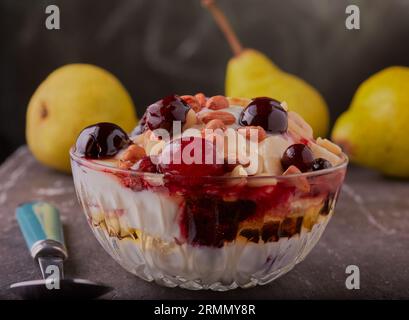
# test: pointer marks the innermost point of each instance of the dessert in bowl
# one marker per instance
(235, 198)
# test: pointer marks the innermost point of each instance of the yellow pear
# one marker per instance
(69, 99)
(251, 74)
(374, 130)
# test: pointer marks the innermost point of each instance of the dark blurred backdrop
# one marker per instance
(157, 47)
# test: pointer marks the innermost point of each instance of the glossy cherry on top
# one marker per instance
(266, 113)
(298, 155)
(101, 140)
(161, 114)
(320, 164)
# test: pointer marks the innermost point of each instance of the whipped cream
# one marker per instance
(155, 213)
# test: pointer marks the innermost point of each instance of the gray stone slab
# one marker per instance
(370, 229)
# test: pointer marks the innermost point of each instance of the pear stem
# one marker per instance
(224, 26)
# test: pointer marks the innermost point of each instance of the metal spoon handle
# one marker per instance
(41, 227)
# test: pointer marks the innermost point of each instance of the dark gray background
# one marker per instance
(157, 47)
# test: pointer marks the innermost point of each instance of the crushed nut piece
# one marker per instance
(242, 102)
(201, 98)
(297, 124)
(299, 182)
(132, 154)
(191, 119)
(192, 102)
(217, 103)
(239, 171)
(215, 124)
(330, 146)
(246, 131)
(226, 117)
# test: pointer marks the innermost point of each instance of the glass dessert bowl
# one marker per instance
(208, 224)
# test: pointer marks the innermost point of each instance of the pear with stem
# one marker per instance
(251, 74)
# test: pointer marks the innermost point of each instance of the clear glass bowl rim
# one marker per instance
(101, 167)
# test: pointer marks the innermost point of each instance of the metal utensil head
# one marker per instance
(72, 289)
(41, 226)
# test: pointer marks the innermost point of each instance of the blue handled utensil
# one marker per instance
(41, 227)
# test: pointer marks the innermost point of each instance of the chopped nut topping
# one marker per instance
(217, 103)
(246, 131)
(192, 102)
(226, 117)
(330, 146)
(201, 98)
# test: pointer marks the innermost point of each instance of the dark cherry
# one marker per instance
(320, 163)
(101, 140)
(298, 155)
(290, 226)
(210, 221)
(161, 114)
(269, 231)
(252, 235)
(267, 113)
(175, 160)
(145, 164)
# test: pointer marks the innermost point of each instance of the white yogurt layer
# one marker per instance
(153, 212)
